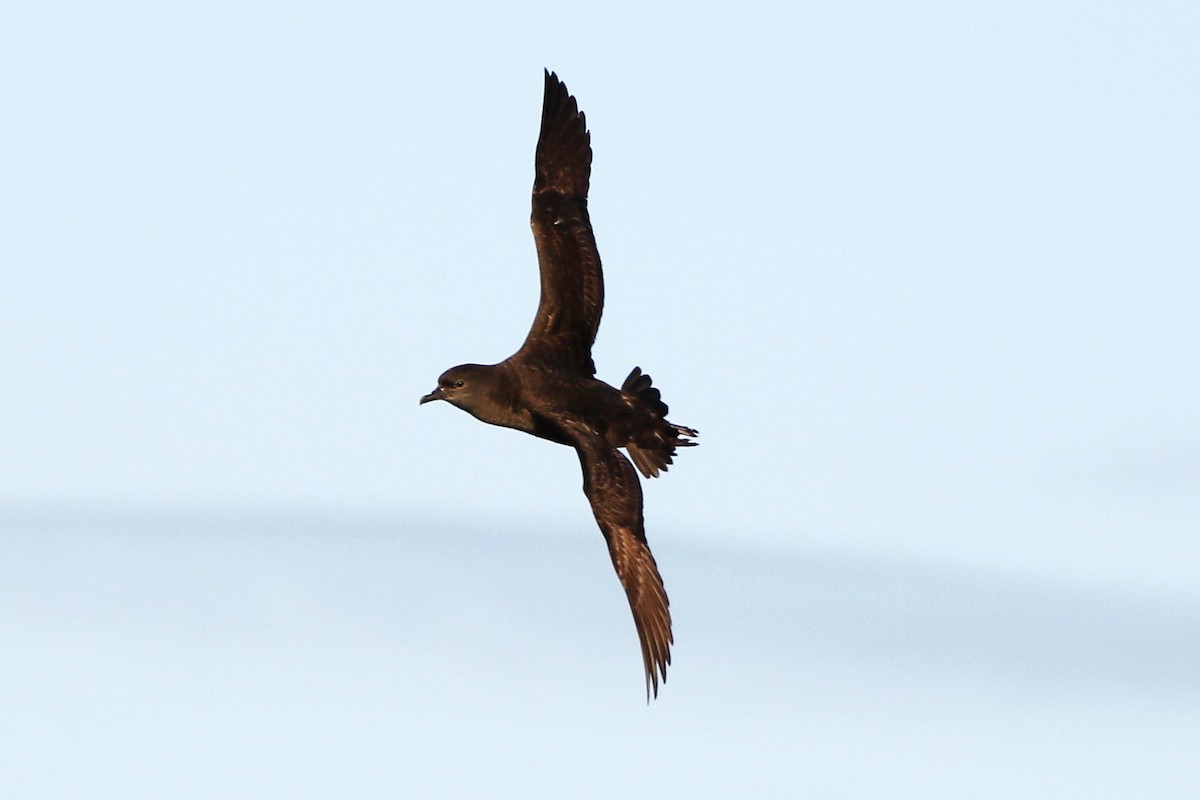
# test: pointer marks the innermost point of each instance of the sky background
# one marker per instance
(924, 276)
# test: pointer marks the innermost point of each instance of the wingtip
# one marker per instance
(563, 159)
(653, 681)
(655, 660)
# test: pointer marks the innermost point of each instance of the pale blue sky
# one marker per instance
(925, 276)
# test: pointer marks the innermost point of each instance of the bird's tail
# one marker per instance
(652, 452)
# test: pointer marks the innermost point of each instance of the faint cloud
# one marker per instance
(1168, 468)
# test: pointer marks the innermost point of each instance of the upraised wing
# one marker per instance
(572, 295)
(613, 489)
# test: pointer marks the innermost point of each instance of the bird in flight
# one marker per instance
(548, 387)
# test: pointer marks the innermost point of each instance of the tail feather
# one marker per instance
(638, 384)
(654, 453)
(645, 461)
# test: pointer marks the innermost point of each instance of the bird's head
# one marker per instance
(461, 386)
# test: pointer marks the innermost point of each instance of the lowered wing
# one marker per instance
(612, 487)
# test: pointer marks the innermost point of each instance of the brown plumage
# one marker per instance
(547, 388)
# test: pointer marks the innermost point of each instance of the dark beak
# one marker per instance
(436, 394)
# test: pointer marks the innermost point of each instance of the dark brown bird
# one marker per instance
(548, 387)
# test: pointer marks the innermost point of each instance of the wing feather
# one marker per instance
(612, 487)
(572, 282)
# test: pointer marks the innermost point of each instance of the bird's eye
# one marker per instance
(458, 384)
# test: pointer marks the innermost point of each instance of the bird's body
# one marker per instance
(548, 388)
(514, 395)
